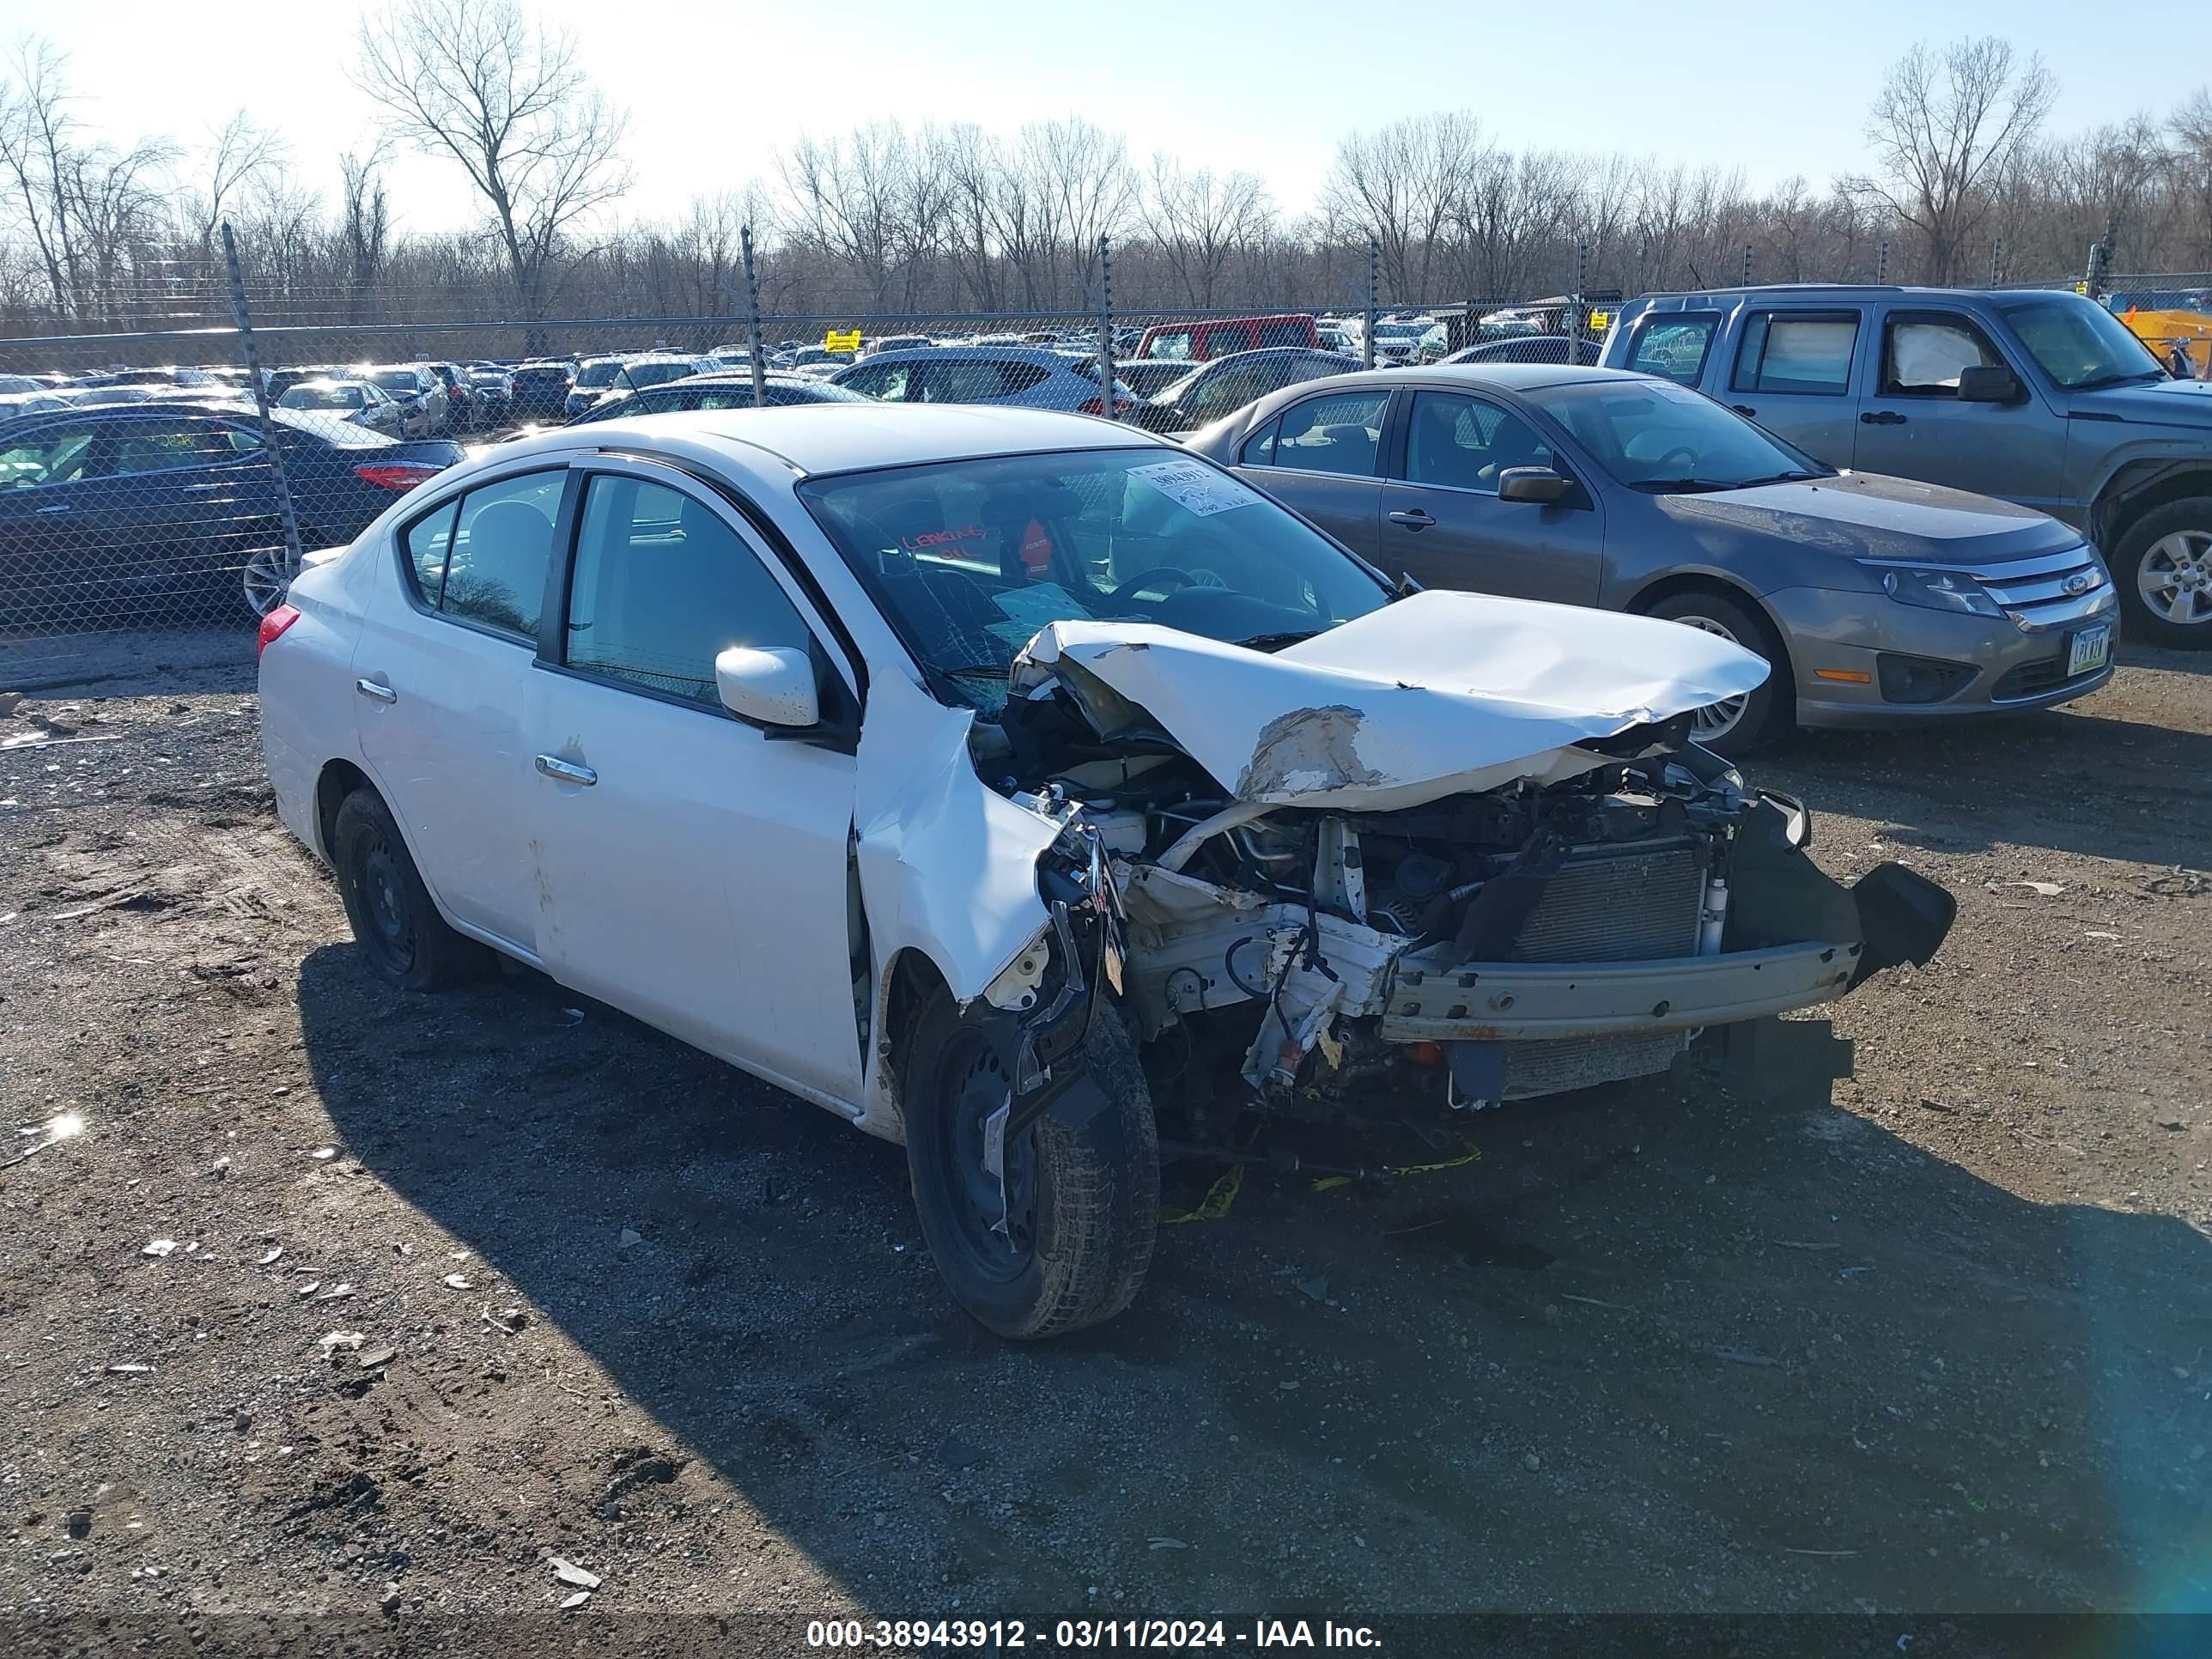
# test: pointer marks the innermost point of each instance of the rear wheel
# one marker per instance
(395, 921)
(1738, 725)
(2164, 572)
(1063, 1238)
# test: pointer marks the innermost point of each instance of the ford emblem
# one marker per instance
(2080, 582)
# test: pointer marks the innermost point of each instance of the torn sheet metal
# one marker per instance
(946, 864)
(1435, 695)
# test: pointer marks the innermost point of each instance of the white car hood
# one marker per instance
(1437, 694)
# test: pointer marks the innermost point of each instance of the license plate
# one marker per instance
(2088, 650)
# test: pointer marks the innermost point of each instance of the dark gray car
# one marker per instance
(2041, 397)
(1879, 601)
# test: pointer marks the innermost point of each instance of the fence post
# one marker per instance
(752, 317)
(1746, 265)
(1106, 328)
(1882, 262)
(1374, 281)
(1996, 262)
(276, 452)
(1579, 310)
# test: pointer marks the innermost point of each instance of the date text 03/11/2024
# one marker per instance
(1085, 1633)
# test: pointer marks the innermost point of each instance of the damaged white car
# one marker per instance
(998, 779)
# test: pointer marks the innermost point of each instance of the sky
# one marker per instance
(714, 88)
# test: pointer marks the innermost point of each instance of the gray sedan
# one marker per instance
(1879, 601)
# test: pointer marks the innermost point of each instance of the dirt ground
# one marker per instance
(1940, 1342)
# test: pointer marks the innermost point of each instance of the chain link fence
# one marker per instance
(167, 481)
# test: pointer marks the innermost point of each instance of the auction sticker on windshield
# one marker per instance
(1199, 489)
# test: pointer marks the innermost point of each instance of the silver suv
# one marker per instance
(2040, 397)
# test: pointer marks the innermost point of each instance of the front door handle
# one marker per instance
(1412, 518)
(562, 771)
(58, 506)
(373, 689)
(1880, 417)
(1744, 410)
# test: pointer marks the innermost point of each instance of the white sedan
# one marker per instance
(980, 774)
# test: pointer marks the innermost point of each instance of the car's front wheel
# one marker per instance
(2164, 572)
(1736, 725)
(1061, 1235)
(395, 921)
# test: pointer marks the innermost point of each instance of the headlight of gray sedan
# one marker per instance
(1935, 590)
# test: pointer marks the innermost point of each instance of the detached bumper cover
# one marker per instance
(1528, 1002)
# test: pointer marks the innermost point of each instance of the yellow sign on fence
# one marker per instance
(834, 341)
(1600, 321)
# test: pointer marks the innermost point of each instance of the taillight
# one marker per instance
(395, 474)
(1091, 406)
(273, 626)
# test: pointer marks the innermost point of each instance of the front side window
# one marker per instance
(57, 455)
(483, 558)
(662, 586)
(1673, 347)
(886, 381)
(975, 381)
(1288, 333)
(1333, 434)
(1175, 343)
(1664, 439)
(2079, 344)
(1922, 356)
(594, 375)
(1464, 443)
(1260, 448)
(1802, 352)
(969, 559)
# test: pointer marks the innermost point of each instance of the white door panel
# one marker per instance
(447, 752)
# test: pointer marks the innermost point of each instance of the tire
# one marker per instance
(2163, 569)
(1085, 1198)
(1760, 717)
(394, 920)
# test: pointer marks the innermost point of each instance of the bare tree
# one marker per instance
(471, 79)
(366, 229)
(1944, 126)
(1199, 222)
(235, 158)
(2191, 127)
(1404, 185)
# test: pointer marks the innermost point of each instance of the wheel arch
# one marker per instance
(337, 779)
(1654, 594)
(2141, 487)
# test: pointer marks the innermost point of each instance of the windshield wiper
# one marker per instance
(1680, 486)
(1798, 475)
(1276, 641)
(2117, 378)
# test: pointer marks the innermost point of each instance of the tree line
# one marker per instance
(1962, 183)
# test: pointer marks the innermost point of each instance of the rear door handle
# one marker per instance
(566, 771)
(1880, 417)
(1744, 410)
(58, 506)
(373, 689)
(1412, 518)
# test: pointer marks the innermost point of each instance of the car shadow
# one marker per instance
(96, 664)
(2103, 784)
(1652, 1348)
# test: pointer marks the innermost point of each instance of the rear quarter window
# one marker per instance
(1673, 347)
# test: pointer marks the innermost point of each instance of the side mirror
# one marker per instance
(772, 688)
(1990, 383)
(1538, 484)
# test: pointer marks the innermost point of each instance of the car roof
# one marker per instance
(1814, 292)
(812, 439)
(1047, 356)
(1505, 377)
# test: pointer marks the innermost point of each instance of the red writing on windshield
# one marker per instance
(940, 538)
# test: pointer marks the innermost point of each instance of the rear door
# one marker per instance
(1796, 373)
(200, 498)
(1320, 456)
(1443, 523)
(1912, 425)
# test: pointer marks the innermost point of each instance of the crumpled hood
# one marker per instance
(1437, 694)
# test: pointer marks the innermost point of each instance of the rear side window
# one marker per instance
(168, 448)
(978, 381)
(1338, 434)
(1922, 357)
(1673, 347)
(1020, 377)
(663, 586)
(1288, 332)
(482, 559)
(1223, 338)
(1794, 351)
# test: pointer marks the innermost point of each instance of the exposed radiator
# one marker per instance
(1635, 903)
